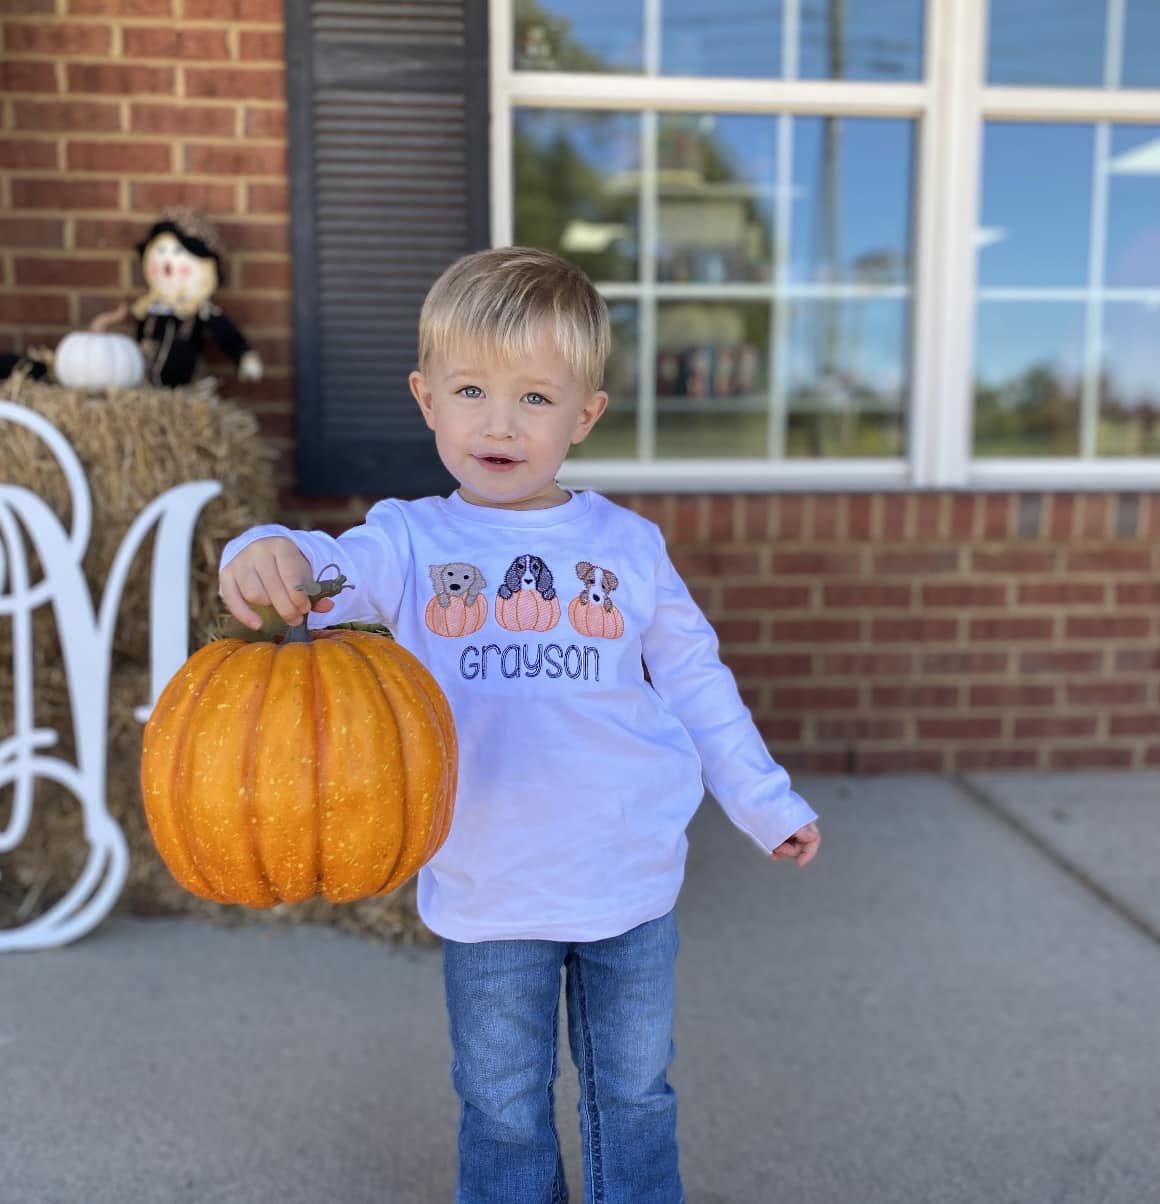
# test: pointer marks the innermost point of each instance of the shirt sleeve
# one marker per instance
(374, 557)
(680, 650)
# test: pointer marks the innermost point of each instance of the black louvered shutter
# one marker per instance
(388, 131)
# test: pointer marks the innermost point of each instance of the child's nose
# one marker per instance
(499, 420)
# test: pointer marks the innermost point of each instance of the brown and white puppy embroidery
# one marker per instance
(592, 612)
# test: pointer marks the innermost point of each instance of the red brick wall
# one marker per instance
(936, 632)
(113, 109)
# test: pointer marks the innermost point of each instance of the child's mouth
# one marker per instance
(497, 463)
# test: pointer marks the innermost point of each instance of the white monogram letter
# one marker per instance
(86, 638)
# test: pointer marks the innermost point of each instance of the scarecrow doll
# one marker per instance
(181, 262)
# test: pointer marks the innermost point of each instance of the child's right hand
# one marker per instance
(269, 572)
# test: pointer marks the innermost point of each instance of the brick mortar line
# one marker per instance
(990, 805)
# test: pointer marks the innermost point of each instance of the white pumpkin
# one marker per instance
(85, 360)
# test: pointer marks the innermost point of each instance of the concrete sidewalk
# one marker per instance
(956, 1004)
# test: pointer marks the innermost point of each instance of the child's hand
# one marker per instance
(269, 573)
(801, 847)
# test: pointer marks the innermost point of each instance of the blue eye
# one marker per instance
(471, 391)
(537, 399)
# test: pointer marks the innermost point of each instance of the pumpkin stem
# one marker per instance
(274, 628)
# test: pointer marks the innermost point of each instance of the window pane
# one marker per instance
(715, 191)
(1141, 67)
(1028, 378)
(852, 200)
(1130, 381)
(1133, 237)
(847, 378)
(712, 380)
(614, 436)
(1065, 43)
(577, 187)
(861, 39)
(733, 38)
(579, 35)
(1035, 228)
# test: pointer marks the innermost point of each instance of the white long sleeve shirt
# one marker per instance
(577, 779)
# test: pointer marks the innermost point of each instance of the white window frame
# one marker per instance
(949, 106)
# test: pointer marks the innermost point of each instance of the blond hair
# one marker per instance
(499, 300)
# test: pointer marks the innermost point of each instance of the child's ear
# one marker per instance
(589, 415)
(422, 394)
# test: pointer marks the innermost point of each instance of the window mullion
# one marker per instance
(945, 284)
(502, 183)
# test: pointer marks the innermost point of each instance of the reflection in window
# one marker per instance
(579, 35)
(1130, 381)
(615, 436)
(1065, 43)
(1024, 239)
(851, 192)
(847, 378)
(577, 187)
(712, 380)
(728, 39)
(748, 357)
(1133, 235)
(1028, 378)
(1069, 291)
(715, 192)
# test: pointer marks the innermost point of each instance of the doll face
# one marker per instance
(175, 275)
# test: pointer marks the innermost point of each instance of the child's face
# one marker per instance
(503, 429)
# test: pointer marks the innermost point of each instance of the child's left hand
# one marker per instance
(801, 847)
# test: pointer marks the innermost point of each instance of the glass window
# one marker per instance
(752, 354)
(732, 39)
(851, 200)
(576, 187)
(1029, 360)
(1068, 321)
(614, 437)
(1130, 381)
(579, 35)
(1132, 256)
(1023, 240)
(847, 386)
(715, 197)
(1074, 43)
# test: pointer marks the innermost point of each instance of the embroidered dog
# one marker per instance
(527, 601)
(528, 572)
(459, 606)
(592, 612)
(598, 584)
(456, 580)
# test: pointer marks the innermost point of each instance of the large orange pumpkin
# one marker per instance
(456, 618)
(590, 618)
(527, 610)
(272, 773)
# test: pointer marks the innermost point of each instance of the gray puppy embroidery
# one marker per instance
(456, 580)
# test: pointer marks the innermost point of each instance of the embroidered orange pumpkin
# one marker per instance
(456, 618)
(591, 619)
(317, 766)
(527, 610)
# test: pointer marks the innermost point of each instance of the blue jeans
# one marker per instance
(503, 1003)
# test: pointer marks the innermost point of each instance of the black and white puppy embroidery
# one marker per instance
(456, 580)
(598, 584)
(528, 572)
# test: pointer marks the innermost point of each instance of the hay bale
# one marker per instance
(134, 445)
